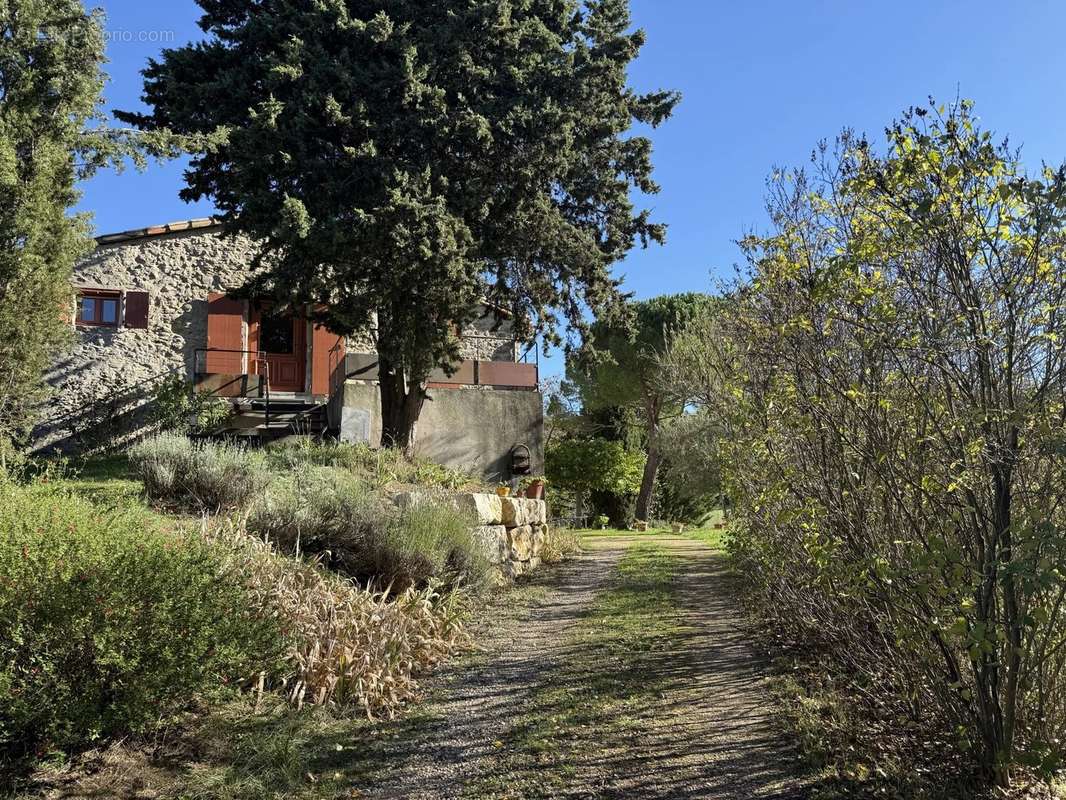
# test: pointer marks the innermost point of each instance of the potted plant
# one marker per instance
(503, 490)
(534, 487)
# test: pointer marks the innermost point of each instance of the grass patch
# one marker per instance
(236, 752)
(713, 538)
(109, 481)
(594, 701)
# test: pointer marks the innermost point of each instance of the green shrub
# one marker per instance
(423, 543)
(176, 407)
(377, 467)
(199, 476)
(325, 510)
(110, 625)
(314, 510)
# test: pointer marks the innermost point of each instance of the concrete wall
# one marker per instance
(475, 428)
(471, 428)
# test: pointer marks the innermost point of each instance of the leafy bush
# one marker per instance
(109, 625)
(348, 646)
(200, 476)
(176, 407)
(325, 510)
(595, 465)
(890, 395)
(689, 485)
(604, 473)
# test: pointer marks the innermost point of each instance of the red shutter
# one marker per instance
(327, 356)
(225, 332)
(136, 310)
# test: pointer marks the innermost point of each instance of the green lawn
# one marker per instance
(707, 533)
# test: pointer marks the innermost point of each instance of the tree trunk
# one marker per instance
(651, 466)
(647, 484)
(1012, 621)
(401, 405)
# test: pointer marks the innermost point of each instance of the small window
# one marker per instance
(98, 309)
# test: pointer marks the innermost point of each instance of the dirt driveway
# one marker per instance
(576, 694)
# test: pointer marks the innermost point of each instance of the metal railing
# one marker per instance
(262, 365)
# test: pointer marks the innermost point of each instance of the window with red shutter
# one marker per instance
(98, 308)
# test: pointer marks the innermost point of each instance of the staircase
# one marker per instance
(287, 417)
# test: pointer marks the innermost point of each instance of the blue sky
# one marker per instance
(762, 83)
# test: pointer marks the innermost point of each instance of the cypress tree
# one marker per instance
(404, 159)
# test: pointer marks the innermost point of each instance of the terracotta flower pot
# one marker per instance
(535, 490)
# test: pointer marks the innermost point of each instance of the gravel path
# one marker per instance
(472, 706)
(710, 736)
(714, 734)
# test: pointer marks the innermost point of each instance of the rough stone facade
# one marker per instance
(103, 383)
(103, 378)
(483, 340)
(512, 531)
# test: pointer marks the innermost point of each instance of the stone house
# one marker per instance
(153, 303)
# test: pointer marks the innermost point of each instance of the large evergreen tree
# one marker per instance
(407, 158)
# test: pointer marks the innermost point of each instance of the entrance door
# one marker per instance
(282, 339)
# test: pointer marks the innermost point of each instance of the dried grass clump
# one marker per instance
(348, 646)
(561, 544)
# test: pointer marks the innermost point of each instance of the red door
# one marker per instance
(281, 339)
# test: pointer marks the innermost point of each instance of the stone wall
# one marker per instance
(106, 365)
(487, 340)
(511, 530)
(483, 340)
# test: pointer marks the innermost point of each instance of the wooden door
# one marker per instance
(225, 336)
(328, 356)
(281, 339)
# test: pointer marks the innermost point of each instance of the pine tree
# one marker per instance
(408, 158)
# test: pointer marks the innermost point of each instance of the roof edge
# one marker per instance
(202, 223)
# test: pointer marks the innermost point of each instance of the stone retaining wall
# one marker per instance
(512, 530)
